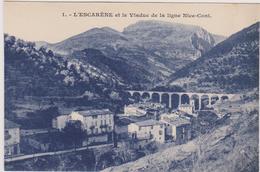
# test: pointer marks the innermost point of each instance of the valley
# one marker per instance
(158, 96)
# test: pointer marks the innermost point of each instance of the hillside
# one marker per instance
(232, 146)
(153, 50)
(32, 72)
(133, 76)
(231, 66)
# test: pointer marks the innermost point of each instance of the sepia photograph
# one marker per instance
(131, 86)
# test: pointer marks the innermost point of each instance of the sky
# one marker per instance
(43, 21)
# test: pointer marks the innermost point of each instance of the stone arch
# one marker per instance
(195, 98)
(175, 101)
(185, 99)
(165, 99)
(145, 95)
(136, 96)
(224, 98)
(155, 97)
(214, 99)
(204, 101)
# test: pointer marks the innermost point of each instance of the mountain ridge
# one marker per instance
(157, 47)
(239, 52)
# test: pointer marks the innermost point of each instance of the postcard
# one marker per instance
(131, 86)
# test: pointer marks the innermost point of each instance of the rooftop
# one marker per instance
(185, 105)
(124, 121)
(149, 122)
(174, 113)
(10, 124)
(95, 112)
(146, 105)
(134, 119)
(177, 121)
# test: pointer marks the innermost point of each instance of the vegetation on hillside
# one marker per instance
(231, 66)
(40, 72)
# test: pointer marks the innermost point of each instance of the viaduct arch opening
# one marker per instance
(185, 99)
(174, 99)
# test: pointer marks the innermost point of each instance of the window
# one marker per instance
(6, 132)
(140, 128)
(7, 135)
(160, 132)
(151, 127)
(7, 151)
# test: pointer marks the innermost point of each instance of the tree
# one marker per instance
(42, 49)
(50, 53)
(74, 133)
(9, 40)
(114, 95)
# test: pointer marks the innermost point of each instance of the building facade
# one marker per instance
(60, 122)
(143, 108)
(148, 129)
(177, 129)
(134, 110)
(188, 108)
(174, 114)
(38, 145)
(12, 138)
(94, 122)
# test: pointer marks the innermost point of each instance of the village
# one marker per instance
(142, 122)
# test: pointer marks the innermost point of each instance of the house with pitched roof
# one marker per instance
(143, 108)
(93, 121)
(177, 129)
(188, 108)
(148, 129)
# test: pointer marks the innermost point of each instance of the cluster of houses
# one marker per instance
(145, 121)
(144, 109)
(97, 124)
(164, 127)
